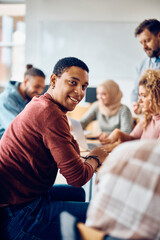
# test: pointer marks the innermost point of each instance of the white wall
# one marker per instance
(40, 12)
(92, 10)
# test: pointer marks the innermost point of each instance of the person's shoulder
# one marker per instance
(11, 87)
(144, 63)
(11, 95)
(124, 108)
(95, 105)
(43, 101)
(7, 90)
(46, 100)
(46, 106)
(13, 83)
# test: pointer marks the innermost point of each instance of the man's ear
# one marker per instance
(53, 79)
(25, 81)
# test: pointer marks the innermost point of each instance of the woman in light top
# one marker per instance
(108, 110)
(149, 100)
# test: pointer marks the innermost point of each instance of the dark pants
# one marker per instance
(39, 220)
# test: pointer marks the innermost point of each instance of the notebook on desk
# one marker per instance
(78, 133)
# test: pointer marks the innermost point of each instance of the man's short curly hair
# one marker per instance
(63, 64)
(153, 25)
(151, 80)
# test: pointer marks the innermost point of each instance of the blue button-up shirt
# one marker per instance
(147, 63)
(11, 104)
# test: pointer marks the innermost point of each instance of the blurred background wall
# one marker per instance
(100, 32)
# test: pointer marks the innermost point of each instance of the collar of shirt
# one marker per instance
(155, 59)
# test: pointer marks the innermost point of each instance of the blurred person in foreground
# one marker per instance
(17, 94)
(36, 144)
(125, 203)
(127, 193)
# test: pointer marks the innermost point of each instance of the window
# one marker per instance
(12, 42)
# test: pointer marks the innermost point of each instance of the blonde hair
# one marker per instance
(151, 80)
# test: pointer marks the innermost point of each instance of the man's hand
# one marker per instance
(100, 152)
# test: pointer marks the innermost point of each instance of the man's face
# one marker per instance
(69, 88)
(34, 86)
(150, 43)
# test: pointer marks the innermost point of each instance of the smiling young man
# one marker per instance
(71, 85)
(148, 33)
(36, 144)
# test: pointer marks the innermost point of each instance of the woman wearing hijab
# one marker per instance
(108, 110)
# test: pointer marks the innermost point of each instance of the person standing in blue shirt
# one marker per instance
(17, 94)
(148, 33)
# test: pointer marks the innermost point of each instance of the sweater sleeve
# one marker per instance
(90, 116)
(125, 119)
(137, 131)
(65, 152)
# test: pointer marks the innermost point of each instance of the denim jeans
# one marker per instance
(39, 220)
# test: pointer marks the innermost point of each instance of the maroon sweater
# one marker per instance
(34, 146)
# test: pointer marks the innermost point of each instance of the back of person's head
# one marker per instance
(153, 25)
(31, 71)
(63, 64)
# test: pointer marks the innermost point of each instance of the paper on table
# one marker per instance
(78, 133)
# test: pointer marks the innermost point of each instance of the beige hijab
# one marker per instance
(115, 95)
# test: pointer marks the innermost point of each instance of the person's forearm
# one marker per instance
(96, 157)
(120, 136)
(126, 137)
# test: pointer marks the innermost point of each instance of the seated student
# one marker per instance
(35, 145)
(149, 99)
(108, 110)
(126, 200)
(17, 94)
